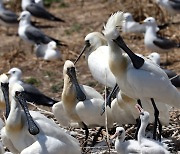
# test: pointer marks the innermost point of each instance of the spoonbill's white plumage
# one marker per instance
(148, 146)
(47, 51)
(154, 42)
(46, 138)
(32, 93)
(137, 77)
(140, 83)
(124, 112)
(96, 55)
(38, 11)
(86, 110)
(125, 147)
(31, 34)
(172, 6)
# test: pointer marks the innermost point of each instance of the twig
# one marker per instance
(174, 77)
(106, 118)
(42, 111)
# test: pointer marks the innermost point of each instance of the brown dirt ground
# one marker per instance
(80, 20)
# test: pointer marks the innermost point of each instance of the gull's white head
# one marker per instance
(52, 45)
(128, 16)
(25, 16)
(114, 23)
(3, 78)
(15, 72)
(150, 21)
(95, 40)
(16, 88)
(155, 57)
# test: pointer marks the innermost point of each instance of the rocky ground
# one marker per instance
(83, 17)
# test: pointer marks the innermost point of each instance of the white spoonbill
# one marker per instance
(124, 112)
(43, 137)
(82, 103)
(32, 93)
(148, 146)
(138, 77)
(154, 42)
(96, 55)
(125, 147)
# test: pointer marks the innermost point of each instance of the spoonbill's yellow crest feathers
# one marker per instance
(116, 20)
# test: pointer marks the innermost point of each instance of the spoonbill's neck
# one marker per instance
(141, 133)
(14, 120)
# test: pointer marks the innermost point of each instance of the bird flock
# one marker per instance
(142, 91)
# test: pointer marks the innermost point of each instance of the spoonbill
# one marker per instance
(124, 112)
(43, 137)
(47, 51)
(38, 11)
(31, 34)
(32, 93)
(157, 43)
(148, 146)
(81, 103)
(96, 55)
(125, 147)
(138, 77)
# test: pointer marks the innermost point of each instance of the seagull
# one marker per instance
(175, 79)
(154, 42)
(148, 146)
(39, 2)
(32, 93)
(131, 26)
(125, 147)
(172, 6)
(38, 11)
(29, 132)
(47, 51)
(138, 77)
(7, 17)
(32, 34)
